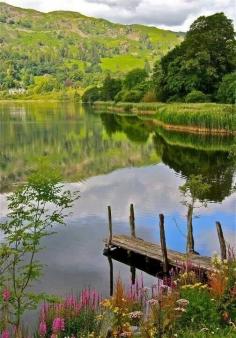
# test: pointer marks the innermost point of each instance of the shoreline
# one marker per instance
(161, 108)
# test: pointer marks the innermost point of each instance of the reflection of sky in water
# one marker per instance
(74, 256)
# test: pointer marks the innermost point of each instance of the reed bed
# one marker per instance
(205, 116)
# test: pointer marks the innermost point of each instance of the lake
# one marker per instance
(115, 160)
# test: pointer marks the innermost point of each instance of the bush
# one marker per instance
(91, 95)
(196, 96)
(45, 84)
(202, 310)
(119, 96)
(134, 78)
(132, 96)
(149, 96)
(227, 89)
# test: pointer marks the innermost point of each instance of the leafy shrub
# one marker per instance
(149, 96)
(45, 84)
(132, 96)
(119, 96)
(174, 98)
(202, 310)
(196, 96)
(91, 95)
(227, 89)
(134, 78)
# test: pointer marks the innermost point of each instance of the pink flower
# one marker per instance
(58, 325)
(42, 329)
(54, 335)
(5, 334)
(6, 295)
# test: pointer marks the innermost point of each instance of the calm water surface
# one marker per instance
(114, 160)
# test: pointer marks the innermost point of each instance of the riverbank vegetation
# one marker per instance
(205, 117)
(182, 305)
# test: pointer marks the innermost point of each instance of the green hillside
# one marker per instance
(73, 47)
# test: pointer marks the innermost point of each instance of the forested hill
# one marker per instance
(73, 47)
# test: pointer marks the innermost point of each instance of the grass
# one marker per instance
(205, 116)
(122, 63)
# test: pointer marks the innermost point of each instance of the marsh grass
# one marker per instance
(199, 115)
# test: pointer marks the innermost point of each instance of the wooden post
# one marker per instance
(109, 333)
(110, 225)
(132, 221)
(133, 274)
(111, 275)
(163, 243)
(190, 238)
(221, 240)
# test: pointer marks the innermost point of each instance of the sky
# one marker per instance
(175, 15)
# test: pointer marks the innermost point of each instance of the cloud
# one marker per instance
(175, 15)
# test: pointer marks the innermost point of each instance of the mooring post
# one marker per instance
(133, 274)
(163, 243)
(110, 226)
(132, 221)
(221, 240)
(111, 275)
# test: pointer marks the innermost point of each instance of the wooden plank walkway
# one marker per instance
(154, 251)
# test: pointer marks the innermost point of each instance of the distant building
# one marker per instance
(17, 91)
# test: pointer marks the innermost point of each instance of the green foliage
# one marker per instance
(134, 78)
(44, 84)
(91, 95)
(72, 47)
(29, 221)
(131, 95)
(196, 96)
(202, 310)
(200, 62)
(227, 89)
(110, 88)
(84, 324)
(195, 188)
(206, 116)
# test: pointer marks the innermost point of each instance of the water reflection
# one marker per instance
(95, 147)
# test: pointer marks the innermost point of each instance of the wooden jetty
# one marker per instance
(158, 253)
(153, 251)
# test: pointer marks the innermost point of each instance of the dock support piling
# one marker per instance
(133, 274)
(111, 275)
(163, 243)
(110, 225)
(132, 221)
(221, 240)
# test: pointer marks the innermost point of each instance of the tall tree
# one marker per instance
(110, 88)
(201, 60)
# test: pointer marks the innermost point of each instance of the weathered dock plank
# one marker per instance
(154, 251)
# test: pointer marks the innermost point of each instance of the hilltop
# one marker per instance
(77, 47)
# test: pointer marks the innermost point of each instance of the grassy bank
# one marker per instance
(195, 117)
(69, 95)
